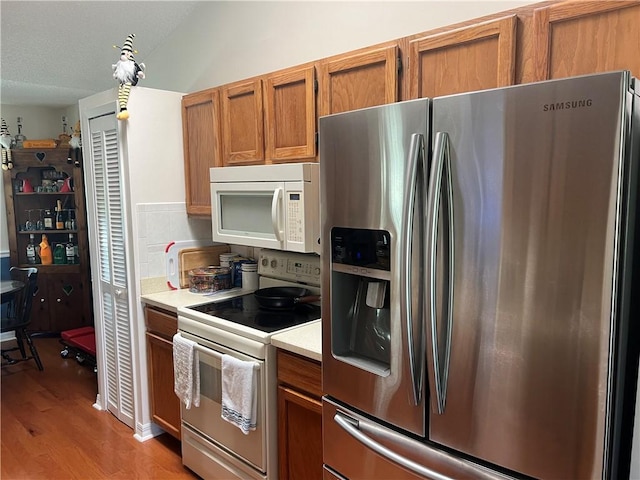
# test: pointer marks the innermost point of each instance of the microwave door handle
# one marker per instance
(416, 155)
(275, 214)
(441, 168)
(355, 428)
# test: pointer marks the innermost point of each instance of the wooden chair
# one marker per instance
(18, 317)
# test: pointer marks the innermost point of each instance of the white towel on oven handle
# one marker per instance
(239, 393)
(186, 371)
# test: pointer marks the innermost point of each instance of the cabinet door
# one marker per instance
(202, 147)
(165, 405)
(40, 321)
(300, 435)
(299, 416)
(242, 123)
(365, 78)
(67, 294)
(290, 115)
(470, 58)
(61, 298)
(577, 38)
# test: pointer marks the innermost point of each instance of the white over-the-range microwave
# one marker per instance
(269, 206)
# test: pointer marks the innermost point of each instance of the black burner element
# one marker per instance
(246, 311)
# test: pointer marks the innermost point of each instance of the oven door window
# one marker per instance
(207, 417)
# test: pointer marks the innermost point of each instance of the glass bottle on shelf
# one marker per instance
(40, 221)
(28, 225)
(59, 254)
(71, 250)
(59, 217)
(32, 257)
(46, 256)
(48, 219)
(70, 223)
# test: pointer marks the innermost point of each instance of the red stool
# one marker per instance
(80, 342)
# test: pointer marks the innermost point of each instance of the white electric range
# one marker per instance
(233, 323)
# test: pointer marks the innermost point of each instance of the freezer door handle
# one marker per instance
(440, 179)
(275, 214)
(358, 429)
(416, 182)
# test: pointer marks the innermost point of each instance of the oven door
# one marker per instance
(206, 419)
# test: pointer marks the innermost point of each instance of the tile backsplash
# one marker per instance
(162, 223)
(158, 225)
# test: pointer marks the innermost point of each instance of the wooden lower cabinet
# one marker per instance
(62, 300)
(299, 417)
(165, 405)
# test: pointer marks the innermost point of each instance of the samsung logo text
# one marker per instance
(550, 107)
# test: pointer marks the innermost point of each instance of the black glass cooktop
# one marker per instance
(246, 311)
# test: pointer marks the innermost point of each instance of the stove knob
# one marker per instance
(265, 262)
(274, 263)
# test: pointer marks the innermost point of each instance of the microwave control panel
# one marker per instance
(295, 217)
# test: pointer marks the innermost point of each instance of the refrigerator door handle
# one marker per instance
(438, 369)
(416, 172)
(275, 214)
(354, 428)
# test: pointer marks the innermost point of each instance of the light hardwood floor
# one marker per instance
(50, 430)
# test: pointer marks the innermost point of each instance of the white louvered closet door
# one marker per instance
(109, 226)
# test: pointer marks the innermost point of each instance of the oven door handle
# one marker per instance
(217, 355)
(208, 351)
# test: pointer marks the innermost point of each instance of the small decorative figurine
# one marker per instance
(5, 141)
(127, 72)
(75, 144)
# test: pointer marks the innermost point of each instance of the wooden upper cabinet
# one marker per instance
(201, 135)
(360, 79)
(242, 123)
(290, 115)
(577, 38)
(474, 57)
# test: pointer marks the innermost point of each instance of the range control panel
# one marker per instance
(289, 266)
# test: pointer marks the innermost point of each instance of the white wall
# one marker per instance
(39, 122)
(227, 41)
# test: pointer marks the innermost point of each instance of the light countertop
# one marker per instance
(173, 299)
(305, 340)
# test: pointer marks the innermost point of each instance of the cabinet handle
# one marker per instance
(58, 300)
(42, 300)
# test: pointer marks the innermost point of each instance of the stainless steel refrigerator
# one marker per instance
(478, 287)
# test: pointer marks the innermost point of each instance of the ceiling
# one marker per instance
(53, 53)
